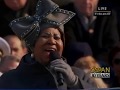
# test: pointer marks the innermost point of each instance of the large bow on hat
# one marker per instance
(28, 28)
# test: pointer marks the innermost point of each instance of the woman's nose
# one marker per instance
(51, 40)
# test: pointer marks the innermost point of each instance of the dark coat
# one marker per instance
(105, 34)
(115, 82)
(32, 75)
(7, 15)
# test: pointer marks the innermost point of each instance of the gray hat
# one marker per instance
(4, 47)
(47, 14)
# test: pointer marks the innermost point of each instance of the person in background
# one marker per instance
(114, 61)
(4, 48)
(86, 64)
(7, 63)
(100, 32)
(11, 9)
(63, 2)
(44, 34)
(80, 55)
(116, 7)
(17, 45)
(77, 50)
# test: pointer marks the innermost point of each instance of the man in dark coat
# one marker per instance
(99, 31)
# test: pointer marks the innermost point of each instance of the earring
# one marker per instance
(32, 55)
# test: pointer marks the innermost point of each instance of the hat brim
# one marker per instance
(4, 46)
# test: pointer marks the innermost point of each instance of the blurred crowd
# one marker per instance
(90, 41)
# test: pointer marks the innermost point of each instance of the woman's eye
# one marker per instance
(45, 36)
(57, 37)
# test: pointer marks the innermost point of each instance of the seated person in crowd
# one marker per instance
(7, 63)
(44, 34)
(17, 45)
(99, 31)
(11, 9)
(114, 60)
(87, 63)
(77, 50)
(80, 55)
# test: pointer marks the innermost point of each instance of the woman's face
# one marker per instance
(49, 40)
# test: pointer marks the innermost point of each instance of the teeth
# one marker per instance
(50, 49)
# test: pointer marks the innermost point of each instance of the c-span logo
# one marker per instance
(102, 72)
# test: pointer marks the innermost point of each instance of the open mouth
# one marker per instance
(50, 50)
